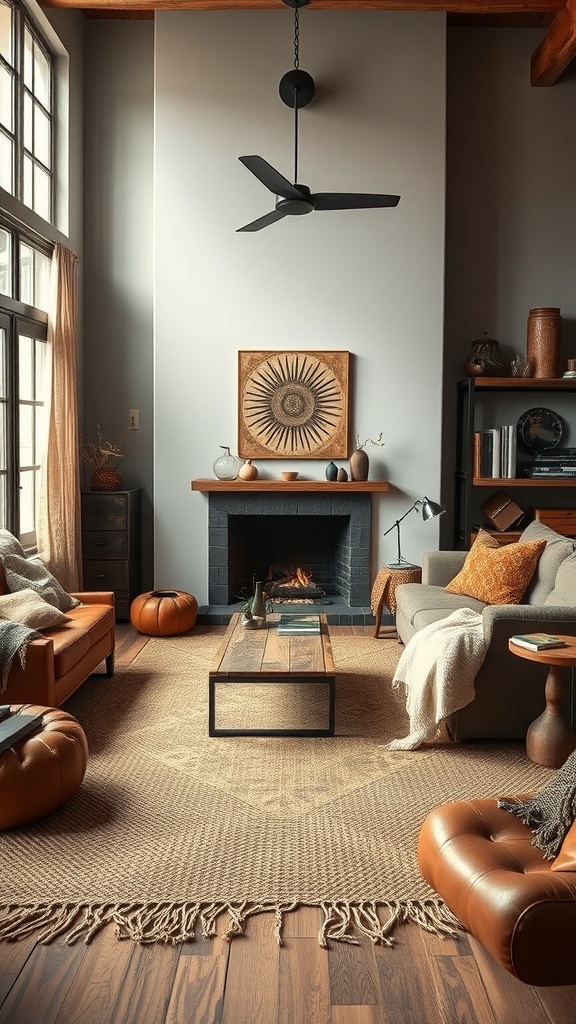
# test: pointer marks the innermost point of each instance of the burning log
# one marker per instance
(295, 583)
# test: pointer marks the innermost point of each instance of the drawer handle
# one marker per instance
(99, 575)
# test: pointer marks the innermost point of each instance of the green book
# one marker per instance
(537, 641)
(299, 625)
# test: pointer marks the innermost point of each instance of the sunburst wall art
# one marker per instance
(293, 405)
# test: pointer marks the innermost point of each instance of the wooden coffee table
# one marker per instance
(550, 740)
(262, 656)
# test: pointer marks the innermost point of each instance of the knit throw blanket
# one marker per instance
(437, 669)
(550, 814)
(14, 639)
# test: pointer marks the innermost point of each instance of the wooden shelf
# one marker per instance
(523, 481)
(524, 383)
(358, 486)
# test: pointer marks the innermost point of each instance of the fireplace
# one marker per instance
(327, 535)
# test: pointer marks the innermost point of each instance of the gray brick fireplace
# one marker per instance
(327, 534)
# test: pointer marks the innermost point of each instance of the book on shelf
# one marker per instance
(15, 727)
(299, 625)
(494, 452)
(537, 641)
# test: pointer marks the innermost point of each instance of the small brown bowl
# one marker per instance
(289, 475)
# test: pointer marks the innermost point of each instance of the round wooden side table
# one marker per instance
(549, 739)
(384, 590)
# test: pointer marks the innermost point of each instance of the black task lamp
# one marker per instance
(430, 509)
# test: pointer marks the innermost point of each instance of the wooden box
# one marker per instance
(563, 520)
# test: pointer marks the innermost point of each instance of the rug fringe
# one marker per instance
(174, 923)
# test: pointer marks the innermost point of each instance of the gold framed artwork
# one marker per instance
(293, 405)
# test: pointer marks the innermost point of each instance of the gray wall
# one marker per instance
(510, 215)
(118, 175)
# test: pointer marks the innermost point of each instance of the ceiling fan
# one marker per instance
(292, 200)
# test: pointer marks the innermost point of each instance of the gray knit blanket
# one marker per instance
(550, 814)
(14, 639)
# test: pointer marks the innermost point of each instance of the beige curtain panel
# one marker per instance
(58, 527)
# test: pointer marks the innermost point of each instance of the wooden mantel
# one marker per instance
(327, 486)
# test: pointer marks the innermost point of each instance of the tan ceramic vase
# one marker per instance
(359, 465)
(248, 471)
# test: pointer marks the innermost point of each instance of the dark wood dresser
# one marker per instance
(111, 546)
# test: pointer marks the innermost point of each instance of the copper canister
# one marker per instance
(543, 335)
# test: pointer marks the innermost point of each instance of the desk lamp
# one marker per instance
(430, 509)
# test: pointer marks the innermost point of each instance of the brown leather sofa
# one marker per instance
(59, 662)
(521, 907)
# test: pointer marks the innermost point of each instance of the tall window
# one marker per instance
(24, 280)
(26, 111)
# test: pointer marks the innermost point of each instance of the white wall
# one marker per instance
(370, 281)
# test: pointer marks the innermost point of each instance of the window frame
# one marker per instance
(18, 318)
(56, 229)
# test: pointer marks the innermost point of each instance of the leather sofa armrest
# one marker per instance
(439, 567)
(508, 619)
(95, 597)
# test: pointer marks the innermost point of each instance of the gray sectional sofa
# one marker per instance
(509, 690)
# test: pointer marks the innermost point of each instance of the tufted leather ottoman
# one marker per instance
(42, 770)
(480, 860)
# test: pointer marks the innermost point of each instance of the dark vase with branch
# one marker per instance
(103, 458)
(359, 461)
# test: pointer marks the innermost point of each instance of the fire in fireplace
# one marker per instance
(287, 584)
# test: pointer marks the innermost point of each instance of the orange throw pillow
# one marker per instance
(566, 859)
(497, 575)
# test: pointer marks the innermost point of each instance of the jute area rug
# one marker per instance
(172, 829)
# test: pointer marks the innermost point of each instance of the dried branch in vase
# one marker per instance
(101, 454)
(377, 441)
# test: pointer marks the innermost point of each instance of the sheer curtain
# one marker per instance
(58, 526)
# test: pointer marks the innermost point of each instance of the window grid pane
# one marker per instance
(26, 274)
(5, 265)
(6, 98)
(28, 58)
(6, 30)
(42, 76)
(7, 163)
(41, 192)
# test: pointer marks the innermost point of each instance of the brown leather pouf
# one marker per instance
(42, 770)
(163, 612)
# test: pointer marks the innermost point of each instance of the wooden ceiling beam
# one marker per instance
(452, 6)
(557, 48)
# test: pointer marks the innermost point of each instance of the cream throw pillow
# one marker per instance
(30, 610)
(32, 574)
(497, 575)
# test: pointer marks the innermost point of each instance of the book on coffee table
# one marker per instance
(15, 727)
(299, 625)
(537, 641)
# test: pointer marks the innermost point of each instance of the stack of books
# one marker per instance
(299, 625)
(495, 452)
(554, 463)
(537, 641)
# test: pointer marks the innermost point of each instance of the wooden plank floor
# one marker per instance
(253, 981)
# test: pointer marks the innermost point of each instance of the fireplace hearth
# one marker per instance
(324, 535)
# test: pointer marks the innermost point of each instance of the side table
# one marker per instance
(384, 590)
(549, 739)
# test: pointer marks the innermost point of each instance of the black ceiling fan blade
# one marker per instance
(352, 201)
(270, 177)
(264, 221)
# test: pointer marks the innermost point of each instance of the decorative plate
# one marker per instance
(539, 429)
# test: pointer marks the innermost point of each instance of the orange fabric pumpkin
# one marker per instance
(163, 612)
